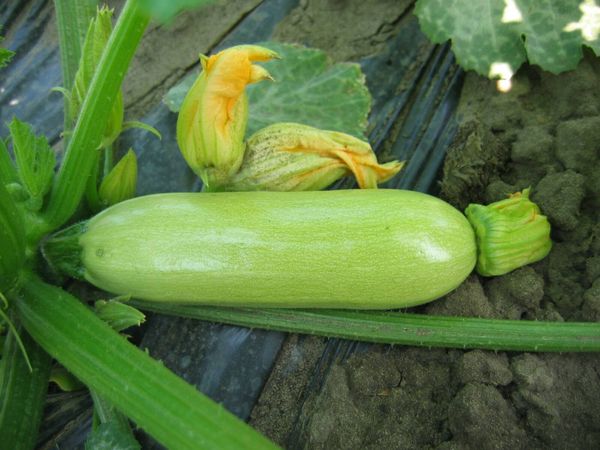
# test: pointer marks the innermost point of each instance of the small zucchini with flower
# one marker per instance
(367, 249)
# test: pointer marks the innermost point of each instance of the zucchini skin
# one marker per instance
(362, 249)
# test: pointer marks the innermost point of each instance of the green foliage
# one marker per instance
(65, 379)
(111, 436)
(5, 55)
(8, 174)
(35, 161)
(308, 89)
(111, 430)
(494, 37)
(164, 11)
(117, 314)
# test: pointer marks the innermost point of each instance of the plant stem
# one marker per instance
(12, 240)
(168, 408)
(80, 154)
(404, 328)
(73, 20)
(115, 425)
(108, 160)
(22, 392)
(91, 187)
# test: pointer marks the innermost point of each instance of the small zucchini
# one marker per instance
(370, 249)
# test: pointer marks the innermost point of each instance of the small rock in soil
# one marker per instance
(468, 300)
(591, 303)
(565, 271)
(578, 143)
(592, 268)
(473, 159)
(498, 190)
(484, 367)
(482, 418)
(559, 196)
(559, 395)
(516, 293)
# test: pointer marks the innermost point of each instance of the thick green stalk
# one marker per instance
(80, 154)
(72, 19)
(403, 328)
(168, 408)
(12, 240)
(22, 392)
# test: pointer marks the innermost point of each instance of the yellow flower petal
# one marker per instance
(212, 120)
(291, 156)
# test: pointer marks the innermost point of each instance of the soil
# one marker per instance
(544, 134)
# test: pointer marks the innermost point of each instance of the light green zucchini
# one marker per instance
(369, 249)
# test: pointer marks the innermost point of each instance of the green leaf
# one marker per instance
(308, 89)
(65, 379)
(117, 314)
(142, 126)
(111, 430)
(163, 11)
(494, 37)
(35, 159)
(111, 436)
(8, 172)
(5, 55)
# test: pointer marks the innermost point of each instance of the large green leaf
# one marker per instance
(35, 160)
(494, 37)
(308, 89)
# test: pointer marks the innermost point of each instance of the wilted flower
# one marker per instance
(212, 119)
(295, 157)
(510, 233)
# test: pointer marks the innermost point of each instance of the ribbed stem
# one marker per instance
(22, 392)
(72, 20)
(168, 408)
(404, 328)
(12, 240)
(80, 155)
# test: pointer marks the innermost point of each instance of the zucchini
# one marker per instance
(368, 249)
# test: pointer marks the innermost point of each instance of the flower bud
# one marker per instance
(510, 233)
(118, 314)
(295, 157)
(95, 40)
(212, 119)
(120, 183)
